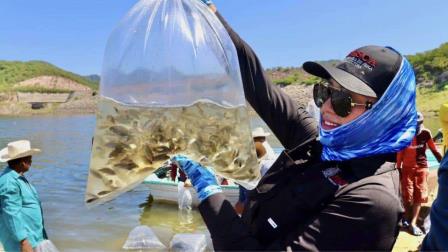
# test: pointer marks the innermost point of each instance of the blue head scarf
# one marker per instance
(387, 127)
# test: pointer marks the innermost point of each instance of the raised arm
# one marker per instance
(291, 124)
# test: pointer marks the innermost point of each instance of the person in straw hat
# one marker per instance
(265, 161)
(21, 219)
(259, 135)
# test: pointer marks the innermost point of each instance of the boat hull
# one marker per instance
(168, 190)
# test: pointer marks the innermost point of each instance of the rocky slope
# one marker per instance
(53, 82)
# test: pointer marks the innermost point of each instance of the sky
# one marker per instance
(72, 34)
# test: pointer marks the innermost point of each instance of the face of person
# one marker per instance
(26, 163)
(330, 120)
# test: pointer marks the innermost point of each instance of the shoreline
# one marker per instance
(78, 105)
(87, 104)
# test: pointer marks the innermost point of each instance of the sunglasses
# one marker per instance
(341, 100)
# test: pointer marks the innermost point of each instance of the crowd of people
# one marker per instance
(336, 184)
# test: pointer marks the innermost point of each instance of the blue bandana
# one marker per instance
(387, 127)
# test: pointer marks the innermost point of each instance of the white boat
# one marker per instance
(166, 189)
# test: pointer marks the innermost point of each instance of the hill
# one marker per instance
(13, 72)
(93, 77)
(285, 76)
(431, 67)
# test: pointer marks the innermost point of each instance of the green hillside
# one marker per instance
(430, 65)
(431, 69)
(285, 76)
(12, 72)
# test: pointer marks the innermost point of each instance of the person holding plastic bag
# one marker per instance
(21, 219)
(340, 192)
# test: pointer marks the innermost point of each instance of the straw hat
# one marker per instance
(259, 132)
(17, 149)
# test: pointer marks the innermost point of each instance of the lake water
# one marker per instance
(60, 172)
(59, 175)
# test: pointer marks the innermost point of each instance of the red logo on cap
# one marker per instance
(363, 57)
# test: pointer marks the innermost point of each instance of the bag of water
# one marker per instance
(46, 246)
(170, 85)
(184, 197)
(188, 243)
(143, 238)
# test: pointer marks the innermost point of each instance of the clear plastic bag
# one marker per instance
(170, 85)
(188, 243)
(185, 204)
(184, 197)
(46, 246)
(143, 238)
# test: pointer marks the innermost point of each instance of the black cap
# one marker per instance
(367, 70)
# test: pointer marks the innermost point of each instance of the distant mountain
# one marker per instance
(93, 77)
(13, 72)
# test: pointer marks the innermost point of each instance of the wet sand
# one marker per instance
(406, 241)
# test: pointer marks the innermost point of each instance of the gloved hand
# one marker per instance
(203, 180)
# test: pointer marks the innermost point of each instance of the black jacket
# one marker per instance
(303, 203)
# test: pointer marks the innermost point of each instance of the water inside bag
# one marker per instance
(170, 84)
(132, 142)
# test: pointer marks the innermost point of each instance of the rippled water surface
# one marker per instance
(59, 174)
